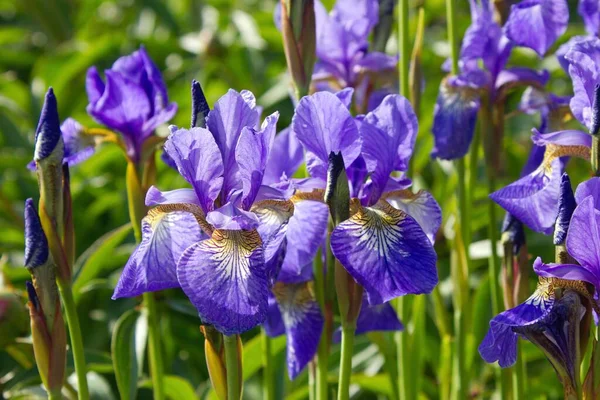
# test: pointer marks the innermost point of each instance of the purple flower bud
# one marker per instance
(200, 106)
(36, 244)
(595, 128)
(337, 194)
(32, 295)
(47, 134)
(566, 206)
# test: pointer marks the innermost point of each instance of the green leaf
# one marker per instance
(379, 383)
(127, 347)
(176, 388)
(93, 261)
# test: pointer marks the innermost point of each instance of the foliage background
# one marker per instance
(222, 44)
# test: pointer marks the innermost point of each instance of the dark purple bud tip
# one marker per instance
(595, 128)
(337, 193)
(513, 231)
(36, 244)
(566, 206)
(200, 106)
(47, 134)
(32, 295)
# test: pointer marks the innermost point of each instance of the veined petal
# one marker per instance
(230, 217)
(285, 157)
(537, 23)
(583, 238)
(421, 206)
(582, 60)
(533, 199)
(570, 137)
(306, 232)
(155, 197)
(386, 251)
(225, 280)
(454, 119)
(152, 266)
(303, 323)
(251, 154)
(591, 187)
(231, 113)
(199, 161)
(323, 124)
(388, 136)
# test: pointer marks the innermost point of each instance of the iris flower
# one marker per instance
(132, 100)
(486, 43)
(590, 12)
(214, 240)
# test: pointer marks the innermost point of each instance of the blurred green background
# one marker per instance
(223, 44)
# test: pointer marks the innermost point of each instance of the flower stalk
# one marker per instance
(233, 360)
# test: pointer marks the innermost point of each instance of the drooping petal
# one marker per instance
(225, 280)
(152, 266)
(231, 113)
(572, 272)
(381, 317)
(533, 199)
(303, 323)
(386, 251)
(537, 23)
(591, 187)
(199, 161)
(251, 154)
(306, 232)
(388, 136)
(522, 76)
(500, 343)
(156, 197)
(583, 239)
(285, 157)
(230, 217)
(323, 125)
(570, 137)
(421, 206)
(273, 325)
(454, 119)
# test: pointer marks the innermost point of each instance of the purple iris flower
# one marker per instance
(216, 239)
(459, 98)
(133, 99)
(386, 244)
(590, 12)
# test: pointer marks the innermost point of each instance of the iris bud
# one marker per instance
(200, 106)
(566, 206)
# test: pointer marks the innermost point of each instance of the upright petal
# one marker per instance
(230, 217)
(454, 118)
(225, 121)
(225, 280)
(533, 199)
(570, 137)
(152, 266)
(388, 136)
(78, 146)
(323, 124)
(251, 154)
(94, 85)
(583, 239)
(590, 12)
(386, 251)
(199, 161)
(591, 187)
(537, 23)
(421, 206)
(303, 323)
(285, 157)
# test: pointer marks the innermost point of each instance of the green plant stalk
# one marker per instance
(135, 197)
(268, 382)
(231, 361)
(55, 395)
(321, 361)
(66, 294)
(402, 338)
(348, 330)
(519, 375)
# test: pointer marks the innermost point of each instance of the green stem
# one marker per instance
(404, 43)
(76, 339)
(346, 361)
(55, 395)
(405, 367)
(231, 360)
(268, 373)
(156, 365)
(323, 349)
(518, 375)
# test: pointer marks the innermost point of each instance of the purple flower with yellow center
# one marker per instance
(215, 240)
(386, 244)
(460, 97)
(132, 100)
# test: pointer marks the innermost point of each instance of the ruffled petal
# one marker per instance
(533, 199)
(199, 161)
(537, 23)
(421, 206)
(303, 323)
(152, 266)
(385, 251)
(225, 280)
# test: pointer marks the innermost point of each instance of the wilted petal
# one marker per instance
(454, 119)
(225, 121)
(388, 136)
(225, 280)
(421, 206)
(152, 266)
(533, 199)
(199, 161)
(251, 154)
(537, 23)
(323, 125)
(386, 251)
(303, 323)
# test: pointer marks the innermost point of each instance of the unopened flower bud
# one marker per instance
(48, 137)
(200, 106)
(566, 206)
